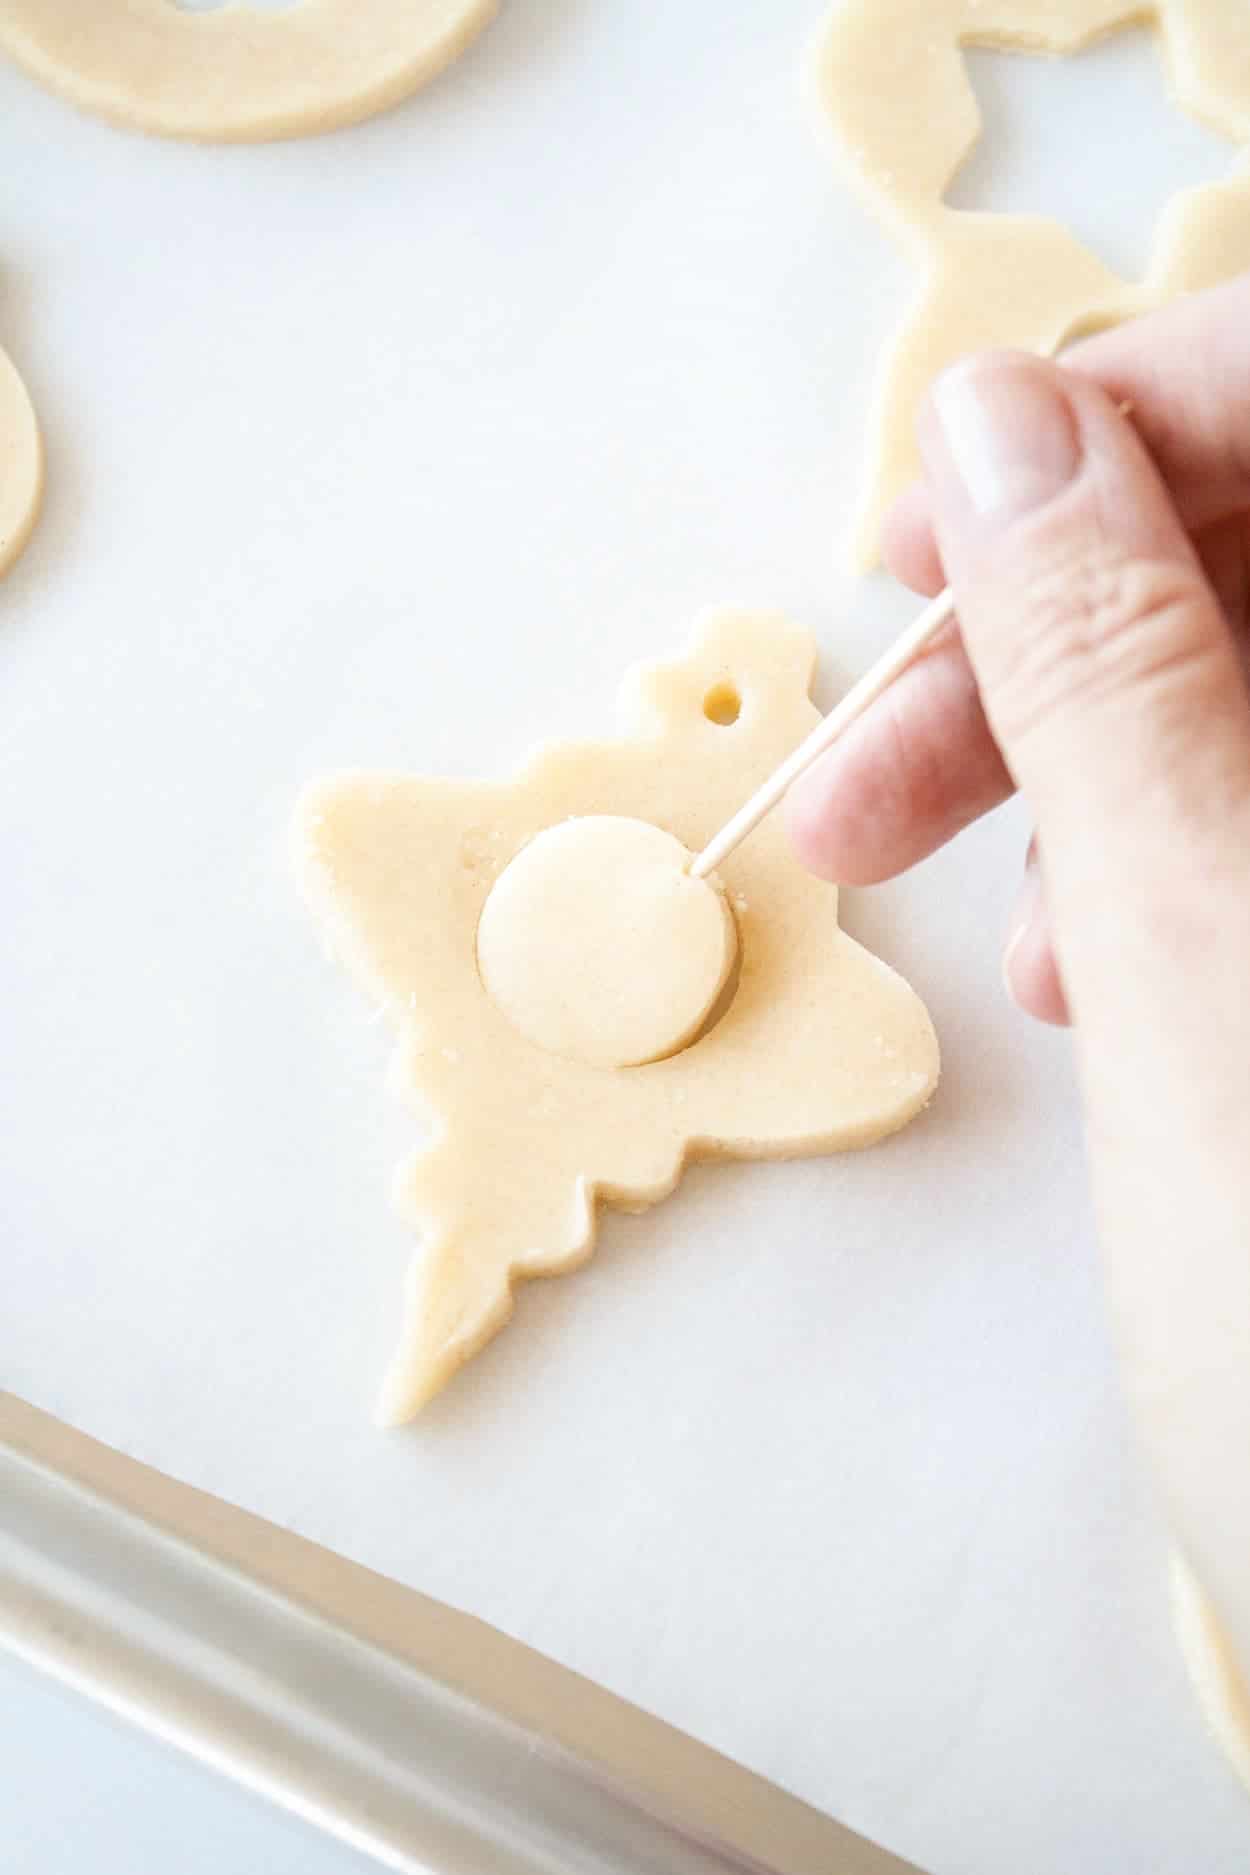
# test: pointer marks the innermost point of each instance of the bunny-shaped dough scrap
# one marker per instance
(818, 1046)
(892, 77)
(239, 73)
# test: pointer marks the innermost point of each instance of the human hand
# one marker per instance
(1101, 568)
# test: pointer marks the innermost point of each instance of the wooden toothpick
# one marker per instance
(915, 640)
(896, 660)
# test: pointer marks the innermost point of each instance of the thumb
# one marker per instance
(1107, 669)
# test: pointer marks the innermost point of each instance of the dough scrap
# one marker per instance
(238, 74)
(821, 1048)
(1222, 1695)
(599, 946)
(891, 75)
(21, 465)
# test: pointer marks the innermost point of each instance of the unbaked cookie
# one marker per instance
(21, 465)
(891, 75)
(577, 1015)
(239, 73)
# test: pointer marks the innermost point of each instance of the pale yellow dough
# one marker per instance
(892, 76)
(821, 1046)
(598, 945)
(21, 465)
(238, 73)
(1222, 1694)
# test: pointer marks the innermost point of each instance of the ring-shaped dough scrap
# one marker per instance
(892, 77)
(239, 73)
(21, 465)
(821, 1048)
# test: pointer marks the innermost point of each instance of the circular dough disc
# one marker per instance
(241, 73)
(599, 946)
(21, 465)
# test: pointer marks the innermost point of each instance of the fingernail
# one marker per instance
(1013, 944)
(1027, 909)
(999, 435)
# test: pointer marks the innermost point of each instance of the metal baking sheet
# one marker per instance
(415, 1733)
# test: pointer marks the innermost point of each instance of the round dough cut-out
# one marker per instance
(599, 946)
(21, 465)
(891, 75)
(240, 73)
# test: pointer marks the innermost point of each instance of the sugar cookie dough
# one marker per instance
(599, 946)
(820, 1046)
(1223, 1696)
(21, 465)
(239, 73)
(891, 75)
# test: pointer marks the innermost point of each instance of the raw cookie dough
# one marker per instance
(1221, 1692)
(891, 75)
(821, 1047)
(21, 465)
(599, 946)
(239, 73)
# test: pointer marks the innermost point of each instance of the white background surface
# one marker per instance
(392, 449)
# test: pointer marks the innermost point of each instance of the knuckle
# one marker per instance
(1098, 633)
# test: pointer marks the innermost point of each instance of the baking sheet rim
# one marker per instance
(108, 1571)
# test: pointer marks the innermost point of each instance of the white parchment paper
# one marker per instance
(393, 449)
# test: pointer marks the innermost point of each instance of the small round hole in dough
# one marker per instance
(722, 704)
(597, 944)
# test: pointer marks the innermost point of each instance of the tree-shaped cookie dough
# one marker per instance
(579, 1018)
(892, 77)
